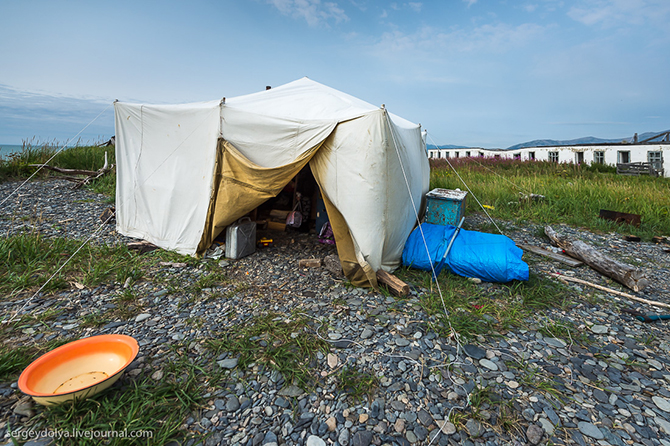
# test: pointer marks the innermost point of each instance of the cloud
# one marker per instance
(610, 13)
(314, 12)
(488, 38)
(416, 6)
(470, 2)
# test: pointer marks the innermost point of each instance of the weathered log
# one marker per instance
(88, 174)
(623, 273)
(397, 286)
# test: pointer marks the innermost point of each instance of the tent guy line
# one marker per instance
(473, 195)
(54, 155)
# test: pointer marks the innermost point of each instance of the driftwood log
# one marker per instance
(85, 176)
(623, 273)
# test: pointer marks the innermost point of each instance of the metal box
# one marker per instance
(445, 206)
(241, 239)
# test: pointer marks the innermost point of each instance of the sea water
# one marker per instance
(6, 149)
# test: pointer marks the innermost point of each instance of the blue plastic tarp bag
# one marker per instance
(489, 257)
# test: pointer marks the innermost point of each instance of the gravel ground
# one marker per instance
(614, 388)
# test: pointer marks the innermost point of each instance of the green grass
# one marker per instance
(574, 194)
(357, 384)
(158, 408)
(473, 310)
(285, 344)
(17, 165)
(28, 260)
(14, 359)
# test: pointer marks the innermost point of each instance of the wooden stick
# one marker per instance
(552, 255)
(397, 286)
(611, 291)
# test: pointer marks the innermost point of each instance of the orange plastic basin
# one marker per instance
(78, 369)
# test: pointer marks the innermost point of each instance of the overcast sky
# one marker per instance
(473, 72)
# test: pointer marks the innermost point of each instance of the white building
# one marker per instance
(611, 153)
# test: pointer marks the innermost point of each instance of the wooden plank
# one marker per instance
(621, 217)
(395, 285)
(309, 263)
(553, 255)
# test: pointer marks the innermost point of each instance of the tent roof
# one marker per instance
(305, 99)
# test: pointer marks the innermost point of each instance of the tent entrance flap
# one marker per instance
(240, 186)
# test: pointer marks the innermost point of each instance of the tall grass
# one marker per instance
(86, 157)
(574, 194)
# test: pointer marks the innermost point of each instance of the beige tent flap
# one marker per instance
(357, 273)
(240, 186)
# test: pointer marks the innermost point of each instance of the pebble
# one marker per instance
(612, 371)
(313, 440)
(534, 433)
(590, 430)
(661, 403)
(228, 363)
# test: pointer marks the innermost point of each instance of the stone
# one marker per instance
(447, 427)
(363, 418)
(292, 391)
(488, 364)
(425, 418)
(399, 425)
(333, 360)
(343, 437)
(590, 430)
(157, 375)
(661, 403)
(599, 329)
(270, 439)
(555, 342)
(25, 408)
(663, 425)
(332, 424)
(230, 363)
(547, 425)
(474, 352)
(534, 433)
(409, 435)
(401, 342)
(474, 428)
(232, 403)
(362, 438)
(366, 334)
(313, 440)
(141, 317)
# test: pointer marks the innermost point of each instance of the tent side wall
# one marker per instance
(165, 165)
(361, 177)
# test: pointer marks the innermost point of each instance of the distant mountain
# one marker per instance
(447, 146)
(579, 141)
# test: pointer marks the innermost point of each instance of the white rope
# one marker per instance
(57, 271)
(473, 195)
(54, 155)
(99, 228)
(453, 332)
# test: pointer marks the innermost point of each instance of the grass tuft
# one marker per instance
(274, 341)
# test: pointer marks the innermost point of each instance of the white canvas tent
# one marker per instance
(185, 172)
